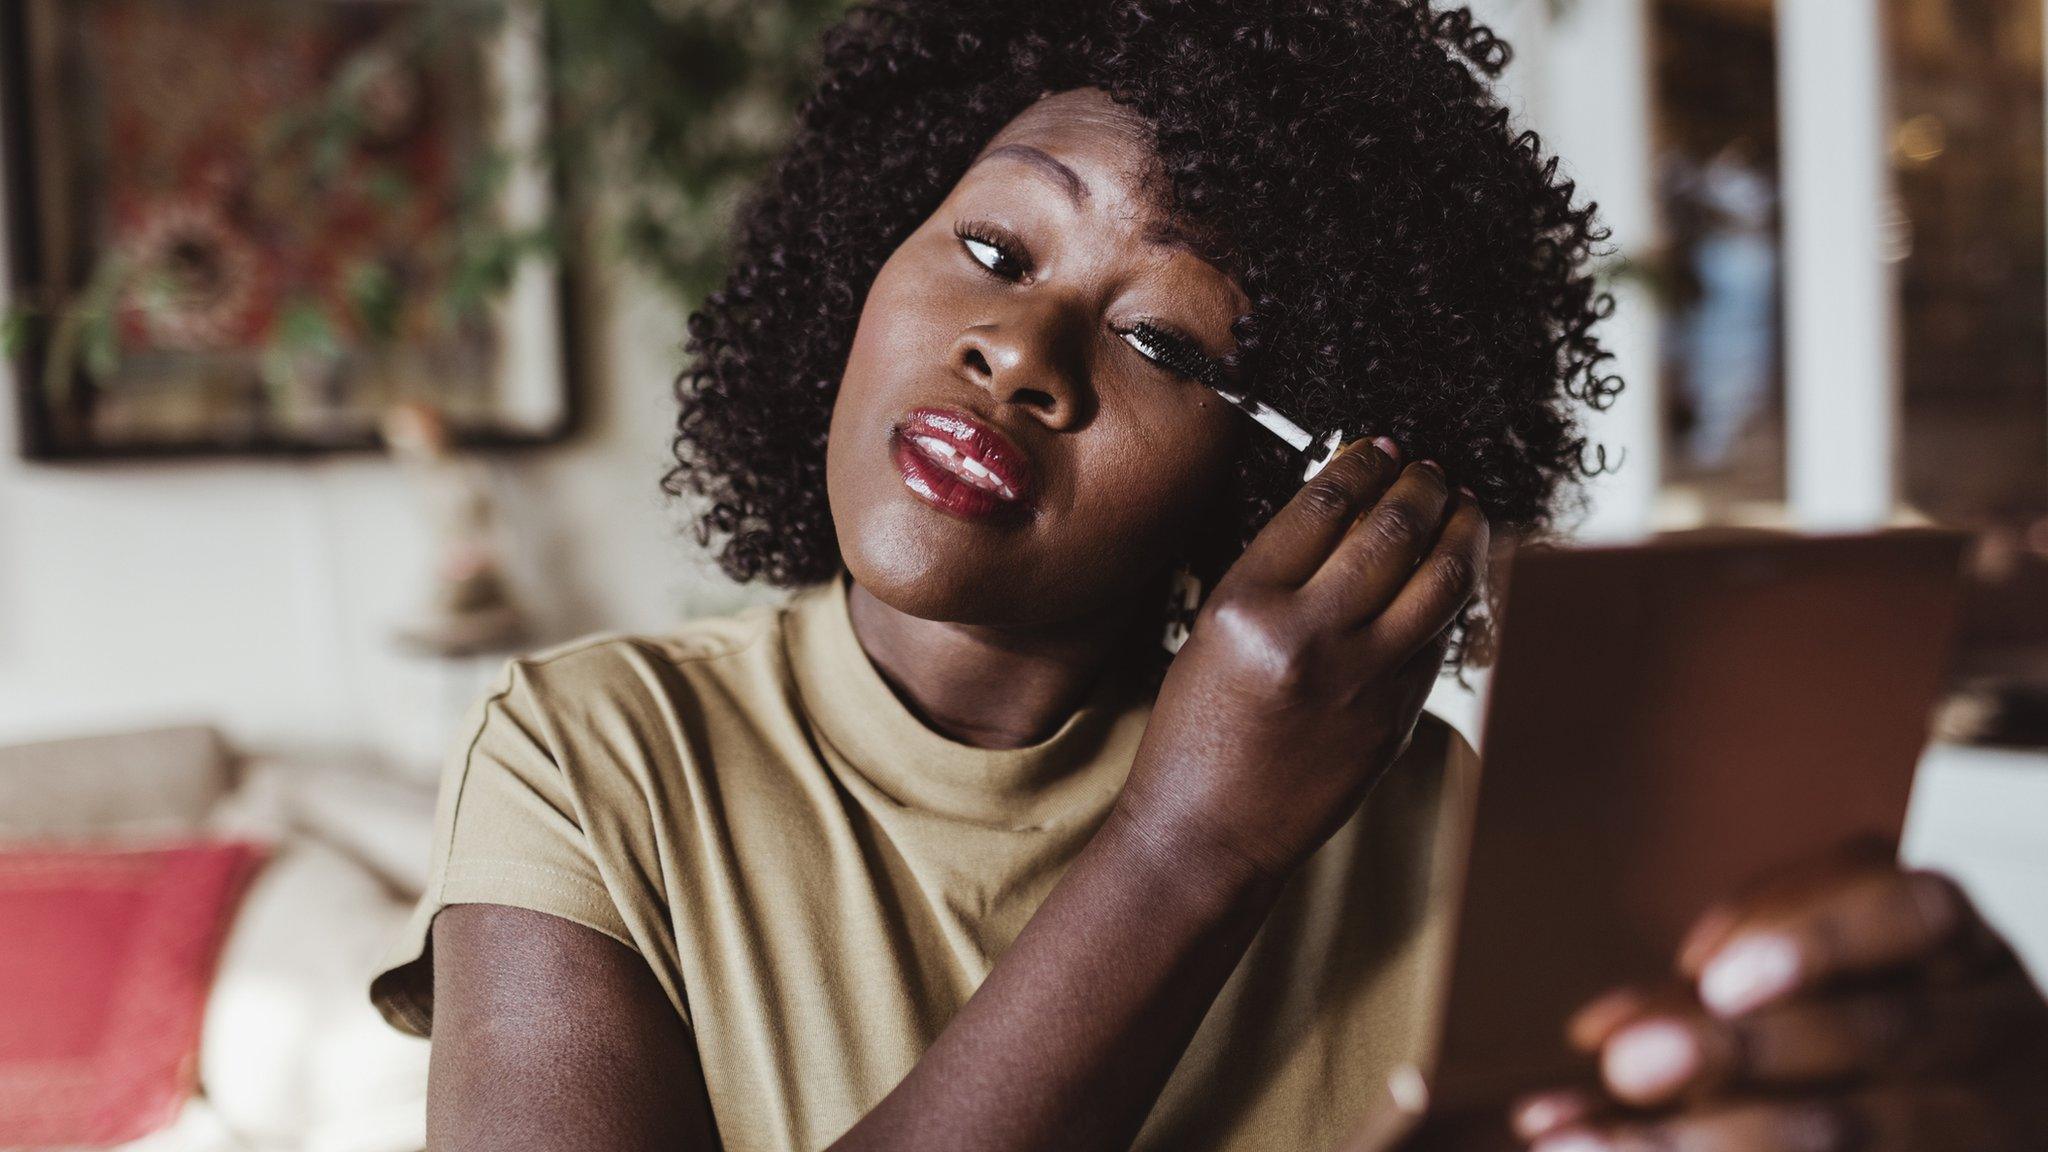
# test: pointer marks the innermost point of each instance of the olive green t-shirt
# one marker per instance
(819, 881)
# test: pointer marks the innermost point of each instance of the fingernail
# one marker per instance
(1647, 1060)
(1749, 972)
(1386, 444)
(1536, 1116)
(1569, 1142)
(1539, 1115)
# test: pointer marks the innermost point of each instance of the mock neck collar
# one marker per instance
(857, 711)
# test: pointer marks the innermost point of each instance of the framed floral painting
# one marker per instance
(256, 226)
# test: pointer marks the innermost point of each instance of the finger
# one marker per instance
(1706, 937)
(1746, 1127)
(1800, 881)
(1378, 555)
(1657, 1059)
(1911, 1028)
(1427, 662)
(1294, 544)
(1602, 1016)
(1443, 583)
(1381, 552)
(1866, 924)
(1536, 1116)
(1416, 678)
(1903, 1119)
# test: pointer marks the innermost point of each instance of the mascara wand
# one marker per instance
(1206, 371)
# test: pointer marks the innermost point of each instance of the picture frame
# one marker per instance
(251, 227)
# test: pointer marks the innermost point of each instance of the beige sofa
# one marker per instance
(293, 1058)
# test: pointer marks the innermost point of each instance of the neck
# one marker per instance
(987, 686)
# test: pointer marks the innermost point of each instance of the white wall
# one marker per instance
(261, 595)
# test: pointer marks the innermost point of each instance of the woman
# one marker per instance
(943, 853)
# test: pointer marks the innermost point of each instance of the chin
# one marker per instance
(924, 564)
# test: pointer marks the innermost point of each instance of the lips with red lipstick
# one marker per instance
(959, 464)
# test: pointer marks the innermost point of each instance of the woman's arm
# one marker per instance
(1302, 682)
(552, 1036)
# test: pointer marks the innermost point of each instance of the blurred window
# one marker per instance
(1967, 157)
(1716, 143)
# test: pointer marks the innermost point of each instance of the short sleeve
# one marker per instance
(507, 831)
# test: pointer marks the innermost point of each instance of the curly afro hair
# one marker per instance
(1416, 267)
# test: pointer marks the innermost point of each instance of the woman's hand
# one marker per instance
(1308, 665)
(1860, 1007)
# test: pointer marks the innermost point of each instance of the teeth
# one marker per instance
(963, 465)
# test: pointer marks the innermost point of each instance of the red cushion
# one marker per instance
(105, 960)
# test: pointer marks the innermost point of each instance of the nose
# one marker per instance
(1031, 362)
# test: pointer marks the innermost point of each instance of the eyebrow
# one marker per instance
(1165, 233)
(1069, 180)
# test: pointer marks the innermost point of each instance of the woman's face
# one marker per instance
(1019, 438)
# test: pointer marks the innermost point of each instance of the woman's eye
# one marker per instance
(991, 256)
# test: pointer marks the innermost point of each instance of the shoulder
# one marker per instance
(1434, 739)
(634, 725)
(603, 657)
(1433, 770)
(603, 672)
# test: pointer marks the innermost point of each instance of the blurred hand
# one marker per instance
(1856, 1006)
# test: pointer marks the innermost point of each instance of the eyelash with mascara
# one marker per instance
(1175, 353)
